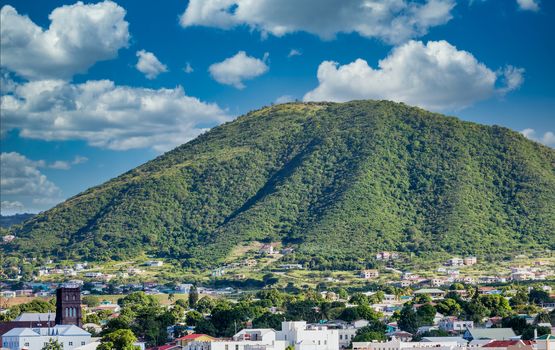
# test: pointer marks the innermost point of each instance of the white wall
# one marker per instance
(38, 341)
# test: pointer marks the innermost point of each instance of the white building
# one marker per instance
(247, 339)
(297, 334)
(69, 336)
(302, 337)
(451, 324)
(396, 344)
(369, 274)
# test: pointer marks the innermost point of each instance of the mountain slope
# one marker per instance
(338, 181)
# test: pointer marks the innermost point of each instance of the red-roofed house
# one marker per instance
(510, 345)
(183, 341)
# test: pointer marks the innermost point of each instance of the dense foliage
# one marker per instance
(142, 314)
(339, 181)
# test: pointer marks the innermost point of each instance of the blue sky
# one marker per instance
(90, 90)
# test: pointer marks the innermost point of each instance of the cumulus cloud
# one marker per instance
(294, 52)
(392, 21)
(436, 76)
(233, 70)
(149, 65)
(548, 138)
(529, 5)
(188, 68)
(60, 165)
(21, 181)
(106, 115)
(79, 160)
(11, 207)
(78, 36)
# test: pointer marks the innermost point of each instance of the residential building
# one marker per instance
(470, 260)
(267, 249)
(432, 292)
(70, 336)
(453, 324)
(455, 262)
(516, 344)
(397, 344)
(7, 294)
(302, 337)
(247, 339)
(201, 341)
(154, 263)
(489, 333)
(369, 274)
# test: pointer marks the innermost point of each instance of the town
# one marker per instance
(513, 312)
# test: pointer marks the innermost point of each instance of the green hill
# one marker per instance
(338, 181)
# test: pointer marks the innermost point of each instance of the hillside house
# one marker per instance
(453, 324)
(369, 274)
(432, 292)
(455, 262)
(470, 260)
(267, 249)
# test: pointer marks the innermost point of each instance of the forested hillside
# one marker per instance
(338, 181)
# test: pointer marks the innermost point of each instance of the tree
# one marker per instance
(122, 339)
(520, 298)
(91, 300)
(184, 303)
(529, 331)
(408, 320)
(449, 307)
(171, 297)
(193, 296)
(53, 344)
(425, 315)
(538, 296)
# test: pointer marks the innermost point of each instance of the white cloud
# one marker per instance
(233, 70)
(60, 165)
(106, 115)
(294, 52)
(548, 138)
(188, 68)
(79, 160)
(393, 21)
(78, 36)
(149, 65)
(11, 207)
(529, 5)
(22, 182)
(435, 76)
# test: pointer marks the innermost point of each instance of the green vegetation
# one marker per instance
(337, 181)
(35, 305)
(219, 317)
(53, 344)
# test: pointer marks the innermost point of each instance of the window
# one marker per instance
(226, 347)
(70, 343)
(26, 344)
(236, 347)
(340, 336)
(82, 343)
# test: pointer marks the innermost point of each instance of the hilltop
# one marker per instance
(336, 181)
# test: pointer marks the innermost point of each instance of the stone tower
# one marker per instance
(68, 305)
